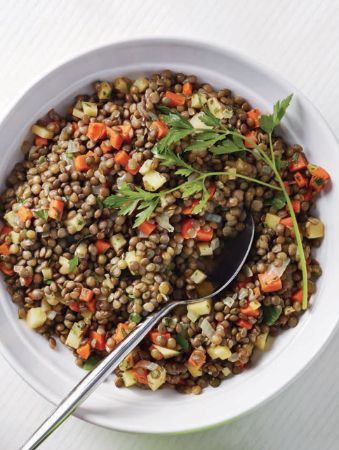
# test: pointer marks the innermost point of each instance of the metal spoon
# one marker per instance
(225, 267)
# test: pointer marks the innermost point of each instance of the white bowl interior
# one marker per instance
(53, 373)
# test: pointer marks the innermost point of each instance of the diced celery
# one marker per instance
(205, 249)
(153, 180)
(118, 241)
(194, 371)
(198, 276)
(128, 378)
(196, 122)
(42, 131)
(198, 100)
(146, 167)
(90, 109)
(156, 378)
(78, 113)
(271, 220)
(75, 335)
(36, 317)
(219, 352)
(47, 273)
(261, 341)
(121, 85)
(218, 109)
(200, 308)
(314, 228)
(104, 91)
(167, 352)
(141, 83)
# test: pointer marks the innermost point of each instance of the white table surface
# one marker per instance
(298, 38)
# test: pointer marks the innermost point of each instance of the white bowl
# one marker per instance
(53, 373)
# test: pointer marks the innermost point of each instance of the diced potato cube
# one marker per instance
(141, 83)
(261, 341)
(198, 276)
(78, 113)
(42, 132)
(198, 100)
(36, 317)
(153, 180)
(118, 241)
(128, 378)
(271, 220)
(75, 224)
(167, 352)
(156, 378)
(205, 249)
(219, 352)
(90, 109)
(104, 91)
(146, 167)
(314, 228)
(200, 308)
(74, 336)
(121, 85)
(194, 371)
(196, 122)
(47, 273)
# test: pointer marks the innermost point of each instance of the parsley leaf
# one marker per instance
(202, 203)
(171, 159)
(278, 201)
(146, 211)
(100, 202)
(41, 213)
(270, 121)
(73, 264)
(271, 314)
(205, 140)
(209, 119)
(228, 146)
(174, 135)
(183, 342)
(178, 121)
(280, 163)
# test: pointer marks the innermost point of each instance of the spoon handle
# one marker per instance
(94, 378)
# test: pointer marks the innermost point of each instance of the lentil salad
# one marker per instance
(81, 272)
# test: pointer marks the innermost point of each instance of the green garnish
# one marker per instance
(183, 342)
(73, 264)
(42, 213)
(278, 201)
(135, 317)
(271, 314)
(91, 362)
(41, 159)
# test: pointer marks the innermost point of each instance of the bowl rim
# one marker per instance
(243, 58)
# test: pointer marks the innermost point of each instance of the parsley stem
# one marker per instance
(244, 177)
(271, 148)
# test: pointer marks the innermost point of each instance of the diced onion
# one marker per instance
(276, 272)
(207, 329)
(144, 364)
(243, 293)
(163, 222)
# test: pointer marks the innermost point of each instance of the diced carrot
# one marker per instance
(122, 158)
(132, 171)
(102, 246)
(244, 324)
(308, 196)
(28, 281)
(24, 214)
(4, 268)
(106, 147)
(4, 249)
(96, 131)
(40, 141)
(5, 230)
(86, 295)
(80, 163)
(115, 138)
(297, 296)
(250, 312)
(251, 139)
(197, 358)
(254, 114)
(287, 222)
(269, 283)
(296, 206)
(188, 210)
(140, 375)
(121, 332)
(211, 190)
(74, 306)
(204, 235)
(153, 335)
(74, 126)
(187, 89)
(287, 187)
(300, 179)
(127, 132)
(161, 127)
(56, 208)
(92, 306)
(84, 351)
(319, 179)
(175, 99)
(297, 163)
(147, 227)
(187, 228)
(242, 283)
(100, 340)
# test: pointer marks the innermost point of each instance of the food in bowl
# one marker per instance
(122, 204)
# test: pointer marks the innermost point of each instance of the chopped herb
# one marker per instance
(21, 200)
(183, 342)
(278, 201)
(42, 159)
(280, 164)
(209, 119)
(295, 157)
(91, 362)
(100, 202)
(73, 264)
(47, 282)
(42, 213)
(135, 317)
(272, 314)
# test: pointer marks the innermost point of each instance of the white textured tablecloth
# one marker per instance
(298, 38)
